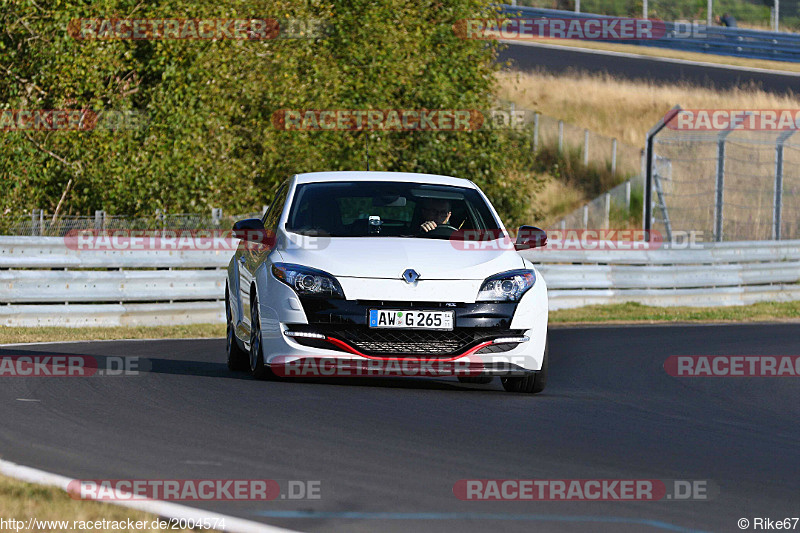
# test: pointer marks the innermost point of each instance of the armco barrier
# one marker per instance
(739, 42)
(42, 282)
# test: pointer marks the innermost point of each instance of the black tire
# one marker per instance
(257, 367)
(532, 383)
(479, 380)
(238, 359)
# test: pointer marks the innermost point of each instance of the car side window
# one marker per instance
(273, 214)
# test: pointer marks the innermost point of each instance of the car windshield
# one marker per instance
(389, 209)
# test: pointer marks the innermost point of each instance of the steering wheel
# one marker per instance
(444, 230)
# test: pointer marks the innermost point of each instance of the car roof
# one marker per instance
(314, 177)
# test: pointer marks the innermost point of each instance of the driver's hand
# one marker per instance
(428, 226)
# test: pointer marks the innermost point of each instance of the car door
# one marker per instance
(253, 254)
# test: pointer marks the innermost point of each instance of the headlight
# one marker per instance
(506, 286)
(308, 281)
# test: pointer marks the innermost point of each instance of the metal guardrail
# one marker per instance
(39, 288)
(739, 42)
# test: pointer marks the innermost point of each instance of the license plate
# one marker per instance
(410, 319)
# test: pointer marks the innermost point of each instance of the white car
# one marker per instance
(365, 273)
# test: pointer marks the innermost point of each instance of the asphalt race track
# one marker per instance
(388, 452)
(559, 59)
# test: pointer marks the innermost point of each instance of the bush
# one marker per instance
(209, 140)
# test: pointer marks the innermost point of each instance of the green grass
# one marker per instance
(10, 335)
(638, 313)
(21, 501)
(616, 313)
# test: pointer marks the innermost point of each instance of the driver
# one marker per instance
(435, 212)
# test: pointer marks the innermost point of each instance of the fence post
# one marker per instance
(578, 6)
(648, 166)
(586, 148)
(644, 9)
(586, 216)
(563, 224)
(719, 189)
(36, 222)
(99, 219)
(216, 215)
(628, 197)
(709, 11)
(535, 132)
(776, 206)
(613, 157)
(607, 210)
(776, 23)
(560, 135)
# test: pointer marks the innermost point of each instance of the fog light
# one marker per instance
(306, 334)
(509, 340)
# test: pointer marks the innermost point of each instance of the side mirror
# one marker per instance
(530, 237)
(250, 229)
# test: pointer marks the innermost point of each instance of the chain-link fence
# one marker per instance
(731, 185)
(621, 159)
(619, 208)
(39, 223)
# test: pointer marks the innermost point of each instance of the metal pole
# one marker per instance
(35, 228)
(613, 157)
(535, 132)
(577, 6)
(644, 9)
(648, 173)
(560, 135)
(607, 210)
(99, 219)
(586, 216)
(586, 148)
(628, 197)
(719, 189)
(776, 25)
(777, 204)
(709, 12)
(719, 193)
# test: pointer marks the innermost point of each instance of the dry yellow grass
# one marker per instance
(22, 501)
(621, 108)
(557, 199)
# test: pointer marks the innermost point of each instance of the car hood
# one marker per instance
(389, 257)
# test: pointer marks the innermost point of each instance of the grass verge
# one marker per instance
(633, 313)
(22, 501)
(615, 313)
(623, 109)
(10, 335)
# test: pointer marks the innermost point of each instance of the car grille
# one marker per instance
(383, 342)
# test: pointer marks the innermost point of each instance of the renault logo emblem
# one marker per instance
(410, 275)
